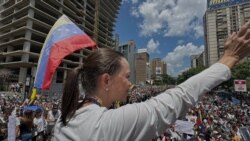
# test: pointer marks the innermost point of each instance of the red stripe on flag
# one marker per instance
(62, 49)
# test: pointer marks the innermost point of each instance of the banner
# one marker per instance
(240, 85)
(184, 127)
(216, 4)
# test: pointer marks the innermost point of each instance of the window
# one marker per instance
(59, 77)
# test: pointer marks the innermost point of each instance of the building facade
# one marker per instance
(198, 60)
(24, 25)
(142, 66)
(158, 68)
(221, 19)
(129, 51)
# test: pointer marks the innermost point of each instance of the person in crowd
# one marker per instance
(12, 87)
(105, 78)
(17, 86)
(4, 123)
(39, 125)
(47, 133)
(175, 136)
(4, 119)
(52, 117)
(235, 137)
(26, 126)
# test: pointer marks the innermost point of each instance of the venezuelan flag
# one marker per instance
(63, 39)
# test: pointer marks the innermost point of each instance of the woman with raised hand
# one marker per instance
(104, 77)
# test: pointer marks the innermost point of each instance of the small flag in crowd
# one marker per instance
(199, 118)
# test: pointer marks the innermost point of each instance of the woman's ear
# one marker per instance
(105, 80)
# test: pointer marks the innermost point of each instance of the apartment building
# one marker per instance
(129, 51)
(142, 66)
(158, 68)
(24, 25)
(221, 19)
(198, 60)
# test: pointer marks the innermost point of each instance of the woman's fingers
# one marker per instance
(246, 36)
(240, 42)
(247, 42)
(244, 40)
(230, 40)
(244, 29)
(237, 46)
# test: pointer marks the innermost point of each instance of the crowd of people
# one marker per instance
(33, 122)
(213, 118)
(142, 93)
(16, 87)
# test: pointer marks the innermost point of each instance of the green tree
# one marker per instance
(189, 73)
(157, 82)
(241, 71)
(166, 79)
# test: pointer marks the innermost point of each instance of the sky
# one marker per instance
(170, 29)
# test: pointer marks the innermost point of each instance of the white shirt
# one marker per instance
(140, 121)
(52, 118)
(39, 122)
(17, 121)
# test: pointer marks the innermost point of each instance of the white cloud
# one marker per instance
(184, 69)
(171, 17)
(134, 1)
(180, 42)
(135, 12)
(175, 60)
(198, 29)
(152, 46)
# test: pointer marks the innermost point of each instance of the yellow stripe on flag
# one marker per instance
(33, 96)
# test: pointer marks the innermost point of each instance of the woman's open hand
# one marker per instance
(237, 46)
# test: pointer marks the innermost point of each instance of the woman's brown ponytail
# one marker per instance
(70, 94)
